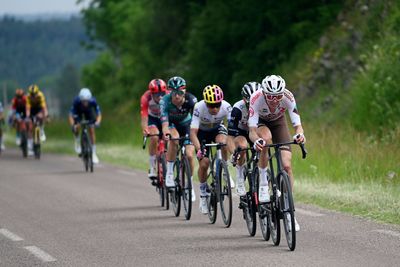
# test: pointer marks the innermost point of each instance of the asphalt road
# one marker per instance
(54, 214)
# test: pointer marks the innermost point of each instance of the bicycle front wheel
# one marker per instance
(287, 208)
(186, 187)
(225, 193)
(174, 193)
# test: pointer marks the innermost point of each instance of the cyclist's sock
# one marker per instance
(30, 143)
(263, 176)
(152, 161)
(203, 189)
(94, 149)
(239, 172)
(170, 167)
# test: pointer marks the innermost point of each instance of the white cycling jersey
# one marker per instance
(203, 120)
(259, 109)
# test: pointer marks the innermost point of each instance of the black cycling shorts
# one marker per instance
(207, 137)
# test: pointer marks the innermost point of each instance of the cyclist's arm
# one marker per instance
(233, 123)
(72, 113)
(144, 112)
(44, 105)
(194, 139)
(98, 111)
(164, 114)
(27, 107)
(98, 118)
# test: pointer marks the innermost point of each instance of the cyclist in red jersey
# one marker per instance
(151, 119)
(18, 112)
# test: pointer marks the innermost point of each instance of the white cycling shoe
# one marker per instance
(296, 225)
(77, 147)
(42, 136)
(203, 205)
(169, 180)
(263, 194)
(95, 158)
(241, 189)
(152, 173)
(193, 195)
(30, 152)
(18, 141)
(232, 182)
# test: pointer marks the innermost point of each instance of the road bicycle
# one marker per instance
(220, 186)
(36, 137)
(161, 169)
(183, 182)
(86, 146)
(281, 205)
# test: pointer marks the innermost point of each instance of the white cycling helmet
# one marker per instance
(249, 88)
(85, 94)
(273, 85)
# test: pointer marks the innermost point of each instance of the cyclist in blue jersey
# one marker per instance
(85, 107)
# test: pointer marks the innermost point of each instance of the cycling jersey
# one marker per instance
(239, 118)
(260, 110)
(37, 101)
(18, 105)
(203, 120)
(80, 111)
(149, 107)
(177, 115)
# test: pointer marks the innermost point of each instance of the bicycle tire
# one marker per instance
(160, 180)
(90, 158)
(186, 187)
(84, 150)
(274, 215)
(263, 212)
(174, 193)
(212, 204)
(287, 209)
(24, 143)
(225, 193)
(164, 188)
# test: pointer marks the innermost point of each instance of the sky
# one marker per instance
(38, 6)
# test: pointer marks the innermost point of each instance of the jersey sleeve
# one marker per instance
(195, 124)
(193, 101)
(233, 123)
(42, 100)
(144, 105)
(291, 106)
(96, 107)
(73, 110)
(253, 110)
(164, 109)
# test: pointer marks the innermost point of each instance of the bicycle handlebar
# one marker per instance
(145, 138)
(303, 149)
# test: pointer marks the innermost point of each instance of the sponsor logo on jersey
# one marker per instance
(251, 112)
(296, 111)
(196, 112)
(255, 97)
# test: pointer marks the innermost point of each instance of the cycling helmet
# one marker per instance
(33, 89)
(249, 88)
(213, 94)
(19, 92)
(157, 86)
(273, 85)
(176, 83)
(85, 94)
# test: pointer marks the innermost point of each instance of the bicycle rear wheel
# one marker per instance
(225, 193)
(24, 143)
(160, 179)
(212, 204)
(174, 193)
(186, 187)
(287, 208)
(36, 142)
(250, 214)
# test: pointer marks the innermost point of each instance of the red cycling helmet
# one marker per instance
(157, 86)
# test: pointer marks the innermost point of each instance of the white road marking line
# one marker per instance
(126, 172)
(10, 235)
(42, 255)
(387, 232)
(309, 213)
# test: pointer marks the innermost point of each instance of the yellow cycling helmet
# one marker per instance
(33, 89)
(213, 94)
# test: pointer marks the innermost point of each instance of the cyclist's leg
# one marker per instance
(264, 133)
(221, 137)
(171, 156)
(240, 142)
(204, 162)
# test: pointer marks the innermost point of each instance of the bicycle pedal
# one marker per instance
(154, 183)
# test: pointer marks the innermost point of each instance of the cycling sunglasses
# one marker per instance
(274, 97)
(214, 105)
(178, 92)
(159, 94)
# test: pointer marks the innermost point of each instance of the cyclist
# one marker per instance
(2, 147)
(267, 124)
(85, 107)
(208, 125)
(150, 120)
(238, 131)
(176, 109)
(18, 113)
(36, 106)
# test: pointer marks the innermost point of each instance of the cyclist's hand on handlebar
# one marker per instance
(234, 158)
(259, 144)
(145, 131)
(167, 135)
(299, 138)
(97, 124)
(201, 154)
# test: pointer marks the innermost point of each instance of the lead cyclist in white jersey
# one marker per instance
(208, 125)
(267, 124)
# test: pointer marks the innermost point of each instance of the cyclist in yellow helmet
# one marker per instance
(208, 125)
(36, 107)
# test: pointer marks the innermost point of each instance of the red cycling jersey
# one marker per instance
(148, 106)
(19, 104)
